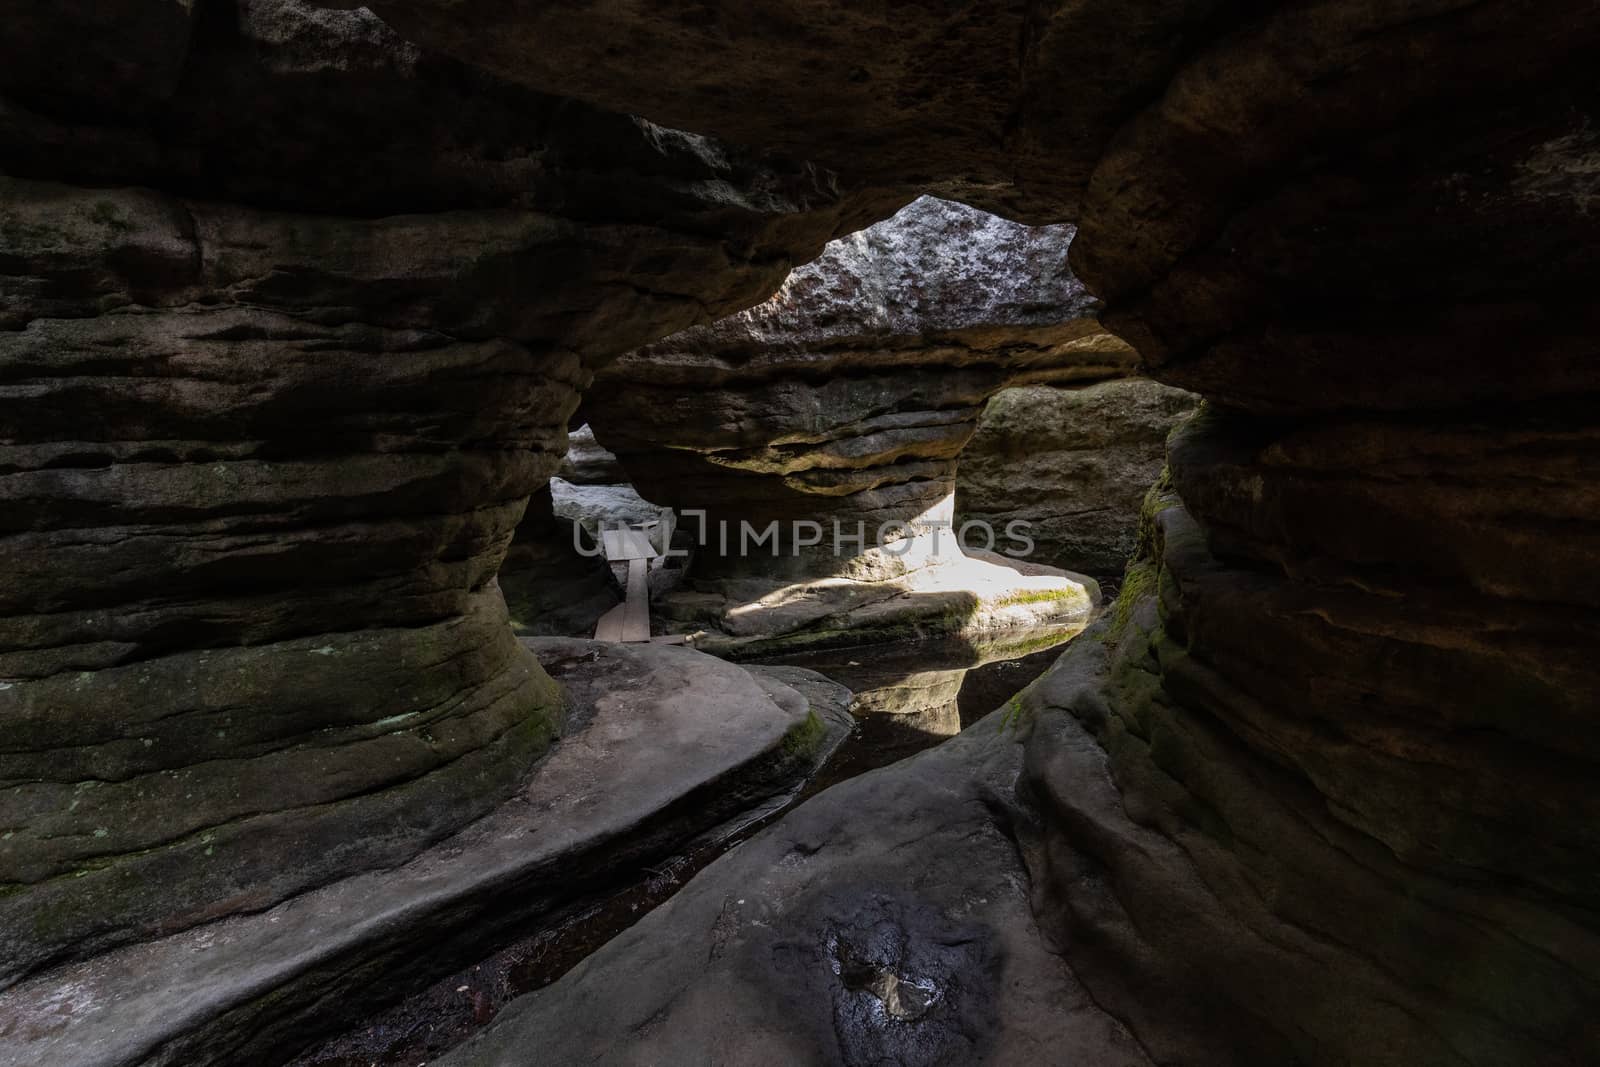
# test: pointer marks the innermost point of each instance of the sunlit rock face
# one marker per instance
(844, 402)
(850, 393)
(1072, 464)
(295, 315)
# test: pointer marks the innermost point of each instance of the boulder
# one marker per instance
(1341, 704)
(907, 697)
(601, 507)
(1071, 463)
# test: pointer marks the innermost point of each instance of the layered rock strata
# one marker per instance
(1345, 832)
(273, 400)
(664, 745)
(1071, 463)
(1343, 711)
(1338, 822)
(849, 394)
(910, 696)
(814, 439)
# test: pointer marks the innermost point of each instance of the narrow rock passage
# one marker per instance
(886, 920)
(906, 698)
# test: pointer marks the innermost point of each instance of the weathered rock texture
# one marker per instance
(1343, 821)
(265, 405)
(588, 462)
(1004, 105)
(1319, 824)
(886, 920)
(1073, 464)
(601, 507)
(1349, 714)
(845, 401)
(849, 394)
(909, 696)
(260, 464)
(664, 745)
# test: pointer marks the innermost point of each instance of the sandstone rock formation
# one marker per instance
(907, 697)
(886, 920)
(593, 490)
(664, 745)
(849, 394)
(1300, 860)
(844, 402)
(1342, 715)
(588, 462)
(261, 464)
(1366, 231)
(296, 310)
(601, 507)
(1073, 463)
(1004, 106)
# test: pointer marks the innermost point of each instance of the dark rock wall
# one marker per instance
(1324, 799)
(1342, 821)
(1346, 701)
(293, 316)
(1002, 105)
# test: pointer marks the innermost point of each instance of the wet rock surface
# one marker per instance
(979, 597)
(884, 919)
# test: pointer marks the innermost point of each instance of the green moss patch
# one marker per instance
(1139, 582)
(802, 740)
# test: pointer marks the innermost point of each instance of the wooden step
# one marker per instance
(636, 609)
(609, 628)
